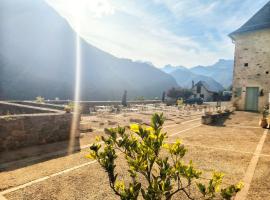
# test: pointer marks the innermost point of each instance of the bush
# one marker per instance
(152, 176)
(71, 106)
(40, 99)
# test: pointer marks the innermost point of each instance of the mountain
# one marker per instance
(218, 75)
(222, 71)
(38, 58)
(169, 68)
(185, 77)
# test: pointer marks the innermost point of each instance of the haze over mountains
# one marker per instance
(218, 75)
(37, 49)
(37, 58)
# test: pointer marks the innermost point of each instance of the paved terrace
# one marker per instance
(237, 147)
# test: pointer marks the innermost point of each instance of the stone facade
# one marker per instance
(28, 130)
(252, 67)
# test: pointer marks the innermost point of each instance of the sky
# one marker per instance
(176, 32)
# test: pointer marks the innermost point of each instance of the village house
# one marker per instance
(203, 90)
(251, 79)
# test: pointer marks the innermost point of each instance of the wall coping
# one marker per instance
(50, 111)
(32, 115)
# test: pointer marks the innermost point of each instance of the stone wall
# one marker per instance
(27, 125)
(252, 66)
(7, 108)
(33, 129)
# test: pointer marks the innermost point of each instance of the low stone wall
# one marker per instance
(7, 108)
(27, 125)
(33, 129)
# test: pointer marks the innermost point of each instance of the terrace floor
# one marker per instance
(238, 147)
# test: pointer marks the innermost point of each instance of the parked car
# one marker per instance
(193, 100)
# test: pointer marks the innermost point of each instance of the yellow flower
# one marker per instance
(91, 156)
(178, 142)
(134, 127)
(166, 146)
(150, 129)
(120, 186)
(152, 136)
(240, 185)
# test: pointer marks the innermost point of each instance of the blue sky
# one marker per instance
(176, 32)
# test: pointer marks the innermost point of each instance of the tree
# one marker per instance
(124, 99)
(163, 96)
(177, 93)
(152, 175)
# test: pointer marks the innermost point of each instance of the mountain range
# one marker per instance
(218, 75)
(38, 58)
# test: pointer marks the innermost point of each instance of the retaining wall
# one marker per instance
(23, 130)
(7, 108)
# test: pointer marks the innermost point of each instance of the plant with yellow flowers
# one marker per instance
(151, 175)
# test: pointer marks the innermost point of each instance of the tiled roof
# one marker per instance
(261, 20)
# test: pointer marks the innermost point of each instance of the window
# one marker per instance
(246, 64)
(238, 92)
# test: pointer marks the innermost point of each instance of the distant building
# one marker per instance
(204, 91)
(251, 80)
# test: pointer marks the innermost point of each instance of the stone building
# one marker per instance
(204, 91)
(251, 79)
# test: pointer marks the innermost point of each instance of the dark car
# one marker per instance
(198, 101)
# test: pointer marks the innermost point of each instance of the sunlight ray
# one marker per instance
(74, 133)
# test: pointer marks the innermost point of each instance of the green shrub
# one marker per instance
(163, 176)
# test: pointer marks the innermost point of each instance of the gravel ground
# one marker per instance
(260, 185)
(227, 148)
(238, 139)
